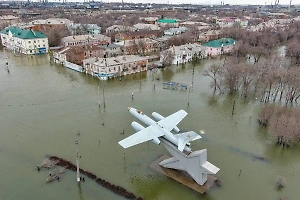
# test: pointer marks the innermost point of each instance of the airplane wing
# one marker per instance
(184, 138)
(143, 135)
(172, 120)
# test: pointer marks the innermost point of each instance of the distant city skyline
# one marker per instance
(209, 2)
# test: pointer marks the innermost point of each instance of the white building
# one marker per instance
(118, 29)
(184, 53)
(113, 66)
(231, 21)
(150, 27)
(175, 31)
(52, 21)
(24, 41)
(60, 56)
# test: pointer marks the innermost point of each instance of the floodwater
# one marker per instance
(43, 107)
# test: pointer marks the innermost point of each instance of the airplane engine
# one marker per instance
(159, 117)
(156, 141)
(136, 126)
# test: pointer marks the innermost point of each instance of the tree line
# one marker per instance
(256, 68)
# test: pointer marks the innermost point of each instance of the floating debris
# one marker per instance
(47, 164)
(174, 86)
(56, 175)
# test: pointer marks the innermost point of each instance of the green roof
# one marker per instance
(170, 21)
(220, 42)
(22, 33)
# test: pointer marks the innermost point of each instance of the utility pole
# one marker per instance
(103, 98)
(77, 161)
(99, 95)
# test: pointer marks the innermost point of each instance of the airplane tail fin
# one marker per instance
(185, 138)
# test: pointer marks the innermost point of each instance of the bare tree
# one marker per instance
(231, 76)
(248, 75)
(55, 35)
(214, 72)
(265, 114)
(166, 58)
(293, 51)
(282, 123)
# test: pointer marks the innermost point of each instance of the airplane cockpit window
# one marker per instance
(140, 112)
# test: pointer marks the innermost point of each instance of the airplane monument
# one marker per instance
(193, 162)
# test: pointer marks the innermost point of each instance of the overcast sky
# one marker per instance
(236, 2)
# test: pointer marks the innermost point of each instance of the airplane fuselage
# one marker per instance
(148, 122)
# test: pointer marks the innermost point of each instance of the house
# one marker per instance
(118, 29)
(142, 46)
(93, 29)
(167, 22)
(135, 35)
(272, 24)
(183, 54)
(219, 47)
(78, 29)
(76, 54)
(78, 40)
(231, 21)
(60, 56)
(150, 27)
(201, 26)
(175, 31)
(47, 24)
(111, 50)
(276, 15)
(151, 20)
(9, 20)
(163, 42)
(24, 41)
(210, 35)
(113, 66)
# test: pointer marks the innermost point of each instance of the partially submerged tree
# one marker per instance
(280, 182)
(282, 123)
(214, 72)
(166, 57)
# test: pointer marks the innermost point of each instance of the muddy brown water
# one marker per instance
(43, 107)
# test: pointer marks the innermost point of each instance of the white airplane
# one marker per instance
(161, 128)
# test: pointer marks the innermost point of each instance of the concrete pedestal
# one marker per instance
(182, 176)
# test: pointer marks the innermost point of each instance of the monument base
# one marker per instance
(183, 177)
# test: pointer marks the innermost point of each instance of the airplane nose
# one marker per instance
(129, 108)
